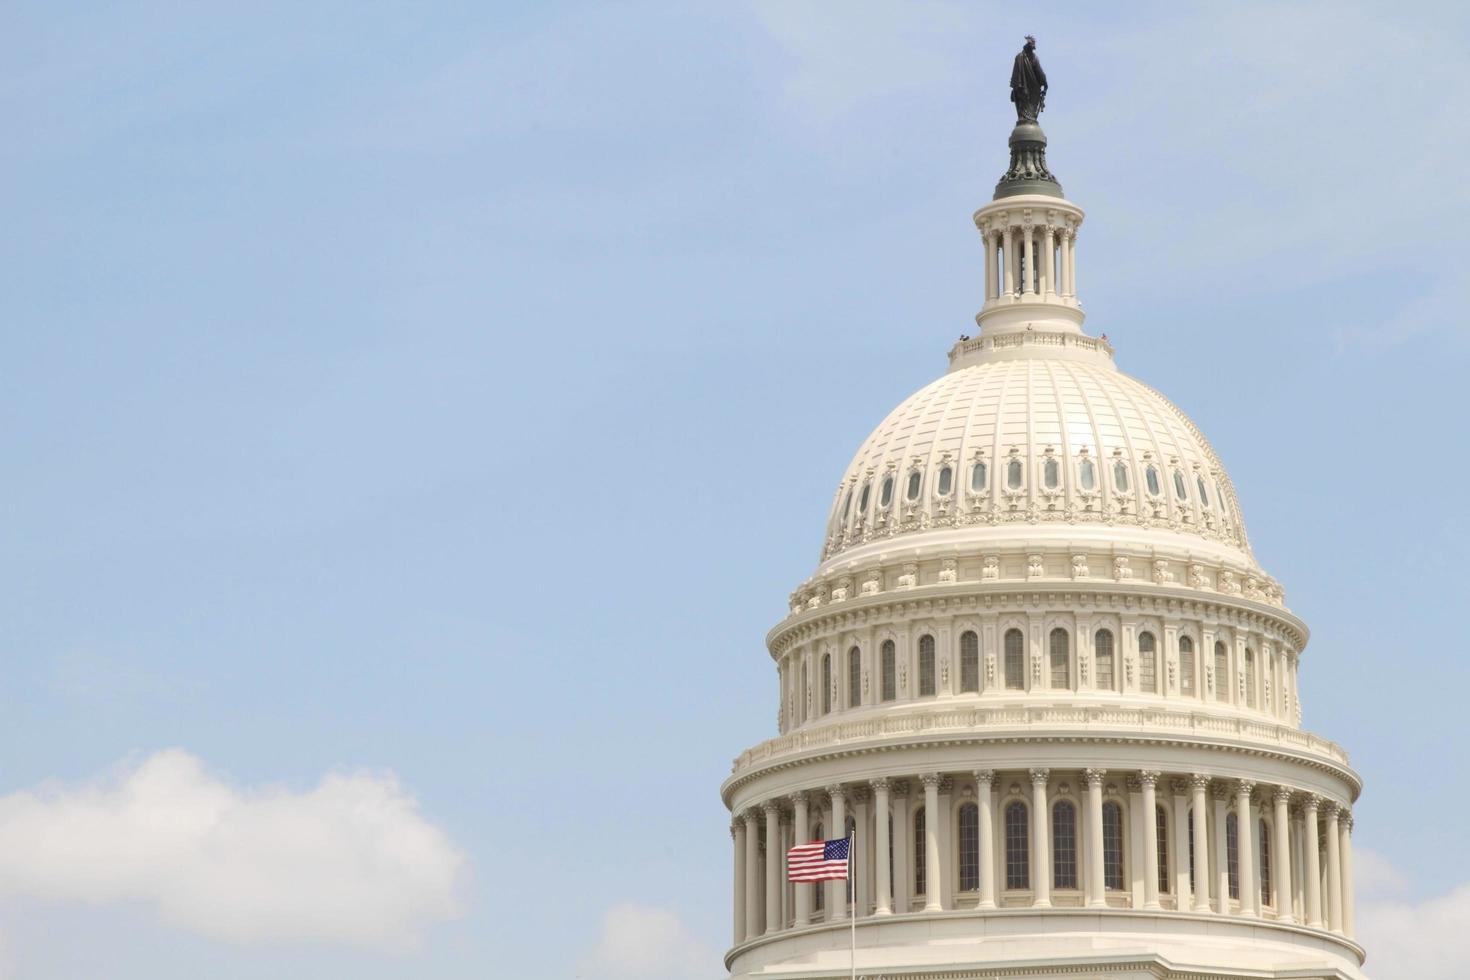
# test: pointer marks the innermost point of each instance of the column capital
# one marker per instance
(858, 794)
(880, 784)
(984, 777)
(750, 815)
(1094, 777)
(900, 787)
(772, 807)
(1331, 810)
(837, 792)
(735, 826)
(1220, 791)
(799, 798)
(1040, 776)
(1133, 782)
(1244, 788)
(1281, 795)
(1199, 781)
(1179, 786)
(930, 779)
(1149, 777)
(1311, 802)
(1347, 819)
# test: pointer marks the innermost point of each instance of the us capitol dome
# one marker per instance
(1042, 681)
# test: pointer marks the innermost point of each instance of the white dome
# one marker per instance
(1032, 430)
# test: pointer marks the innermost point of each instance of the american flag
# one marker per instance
(821, 860)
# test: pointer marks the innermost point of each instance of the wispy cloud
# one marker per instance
(1409, 939)
(640, 942)
(350, 862)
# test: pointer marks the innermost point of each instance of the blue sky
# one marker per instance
(428, 408)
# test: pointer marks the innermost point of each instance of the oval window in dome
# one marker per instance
(1179, 490)
(979, 477)
(1151, 477)
(847, 504)
(915, 481)
(946, 481)
(1204, 497)
(885, 496)
(1120, 476)
(1087, 474)
(863, 498)
(1013, 474)
(1051, 473)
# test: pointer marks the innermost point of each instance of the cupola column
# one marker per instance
(883, 903)
(752, 875)
(984, 790)
(1008, 261)
(1334, 868)
(933, 870)
(1041, 848)
(1250, 893)
(837, 890)
(1349, 928)
(1313, 863)
(1149, 817)
(1180, 833)
(1281, 866)
(1220, 796)
(1199, 784)
(1097, 893)
(737, 834)
(1072, 263)
(773, 865)
(1049, 289)
(801, 831)
(1028, 261)
(989, 266)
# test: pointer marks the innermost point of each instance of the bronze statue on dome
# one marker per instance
(1028, 83)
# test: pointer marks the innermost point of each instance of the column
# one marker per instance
(1346, 848)
(1048, 261)
(1245, 852)
(1150, 840)
(1313, 873)
(801, 829)
(1008, 261)
(862, 883)
(989, 265)
(884, 900)
(903, 840)
(1072, 264)
(1097, 893)
(1028, 262)
(1040, 849)
(933, 872)
(1281, 860)
(737, 834)
(752, 875)
(1198, 784)
(984, 790)
(1182, 890)
(1222, 862)
(1133, 855)
(837, 890)
(773, 866)
(1334, 868)
(1298, 866)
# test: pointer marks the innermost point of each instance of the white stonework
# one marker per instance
(1038, 616)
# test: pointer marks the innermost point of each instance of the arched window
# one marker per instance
(1061, 661)
(1222, 671)
(1161, 834)
(854, 677)
(1120, 476)
(826, 683)
(819, 889)
(846, 504)
(1102, 651)
(1151, 479)
(1232, 853)
(1015, 660)
(926, 666)
(916, 482)
(1087, 474)
(1190, 825)
(969, 847)
(979, 477)
(1265, 875)
(946, 480)
(885, 496)
(1018, 847)
(1186, 665)
(1015, 478)
(890, 670)
(1148, 663)
(863, 499)
(1179, 490)
(1250, 678)
(1064, 845)
(921, 884)
(1051, 473)
(1112, 821)
(801, 694)
(969, 662)
(1204, 497)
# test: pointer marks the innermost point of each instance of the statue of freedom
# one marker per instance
(1028, 83)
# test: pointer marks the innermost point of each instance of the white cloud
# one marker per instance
(1407, 939)
(351, 861)
(647, 943)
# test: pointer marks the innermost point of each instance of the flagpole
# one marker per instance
(852, 883)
